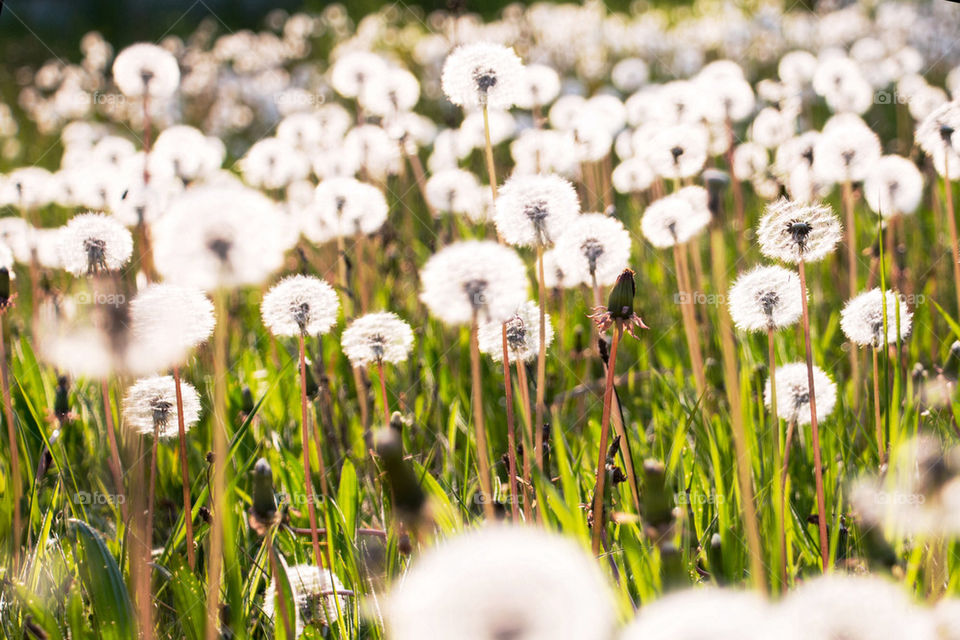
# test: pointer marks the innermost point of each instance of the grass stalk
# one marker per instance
(13, 441)
(511, 434)
(476, 392)
(541, 361)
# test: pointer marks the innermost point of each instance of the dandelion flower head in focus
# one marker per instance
(376, 338)
(765, 298)
(482, 74)
(151, 404)
(300, 305)
(92, 243)
(792, 231)
(523, 334)
(793, 393)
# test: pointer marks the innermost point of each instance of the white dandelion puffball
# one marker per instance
(523, 334)
(473, 280)
(845, 150)
(893, 186)
(273, 163)
(151, 404)
(394, 92)
(300, 305)
(766, 298)
(793, 393)
(354, 70)
(169, 321)
(313, 596)
(93, 243)
(456, 191)
(554, 275)
(749, 161)
(187, 153)
(376, 338)
(219, 236)
(534, 210)
(482, 74)
(632, 175)
(938, 131)
(792, 231)
(673, 220)
(344, 207)
(539, 86)
(502, 582)
(862, 318)
(679, 151)
(855, 607)
(145, 68)
(729, 614)
(594, 246)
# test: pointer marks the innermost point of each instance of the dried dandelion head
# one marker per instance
(766, 298)
(862, 318)
(300, 305)
(377, 338)
(792, 231)
(151, 406)
(523, 334)
(92, 243)
(482, 74)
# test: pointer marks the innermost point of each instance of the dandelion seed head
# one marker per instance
(355, 70)
(765, 298)
(791, 231)
(679, 151)
(593, 246)
(473, 278)
(482, 74)
(472, 134)
(218, 236)
(728, 613)
(893, 186)
(853, 607)
(676, 218)
(793, 393)
(187, 153)
(539, 86)
(554, 276)
(313, 596)
(344, 207)
(938, 131)
(93, 243)
(862, 318)
(169, 321)
(523, 334)
(375, 151)
(842, 84)
(273, 163)
(845, 150)
(377, 337)
(725, 97)
(534, 210)
(455, 191)
(630, 74)
(145, 68)
(300, 305)
(502, 582)
(544, 151)
(396, 91)
(151, 404)
(632, 175)
(750, 160)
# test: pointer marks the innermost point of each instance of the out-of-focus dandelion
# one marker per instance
(93, 243)
(800, 233)
(168, 321)
(531, 584)
(376, 338)
(875, 319)
(594, 249)
(730, 615)
(766, 299)
(144, 69)
(937, 136)
(893, 186)
(486, 76)
(316, 592)
(299, 306)
(150, 408)
(471, 282)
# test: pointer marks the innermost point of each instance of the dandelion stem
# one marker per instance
(483, 460)
(148, 534)
(814, 427)
(383, 393)
(598, 519)
(511, 435)
(218, 488)
(491, 167)
(847, 191)
(419, 175)
(881, 446)
(952, 223)
(184, 471)
(778, 488)
(116, 467)
(13, 440)
(689, 324)
(735, 188)
(541, 361)
(305, 437)
(528, 438)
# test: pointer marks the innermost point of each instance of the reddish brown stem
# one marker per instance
(598, 515)
(184, 472)
(511, 435)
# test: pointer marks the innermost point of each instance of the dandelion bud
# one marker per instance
(716, 182)
(264, 508)
(246, 400)
(620, 302)
(61, 402)
(5, 295)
